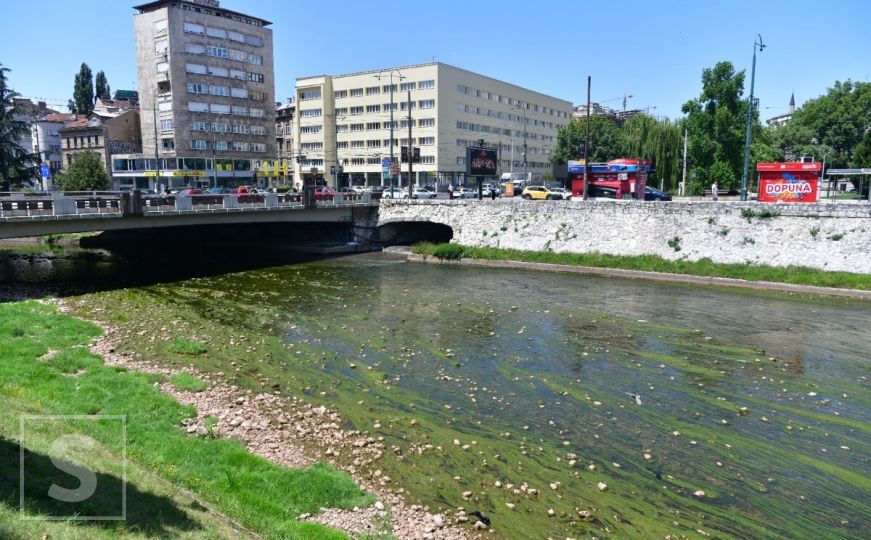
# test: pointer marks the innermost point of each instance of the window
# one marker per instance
(239, 111)
(241, 93)
(199, 144)
(219, 90)
(373, 125)
(196, 88)
(255, 77)
(222, 145)
(237, 74)
(310, 113)
(199, 126)
(339, 94)
(236, 36)
(192, 28)
(255, 59)
(388, 107)
(389, 88)
(427, 160)
(258, 130)
(341, 111)
(342, 145)
(241, 146)
(373, 144)
(218, 71)
(242, 129)
(357, 110)
(162, 67)
(357, 144)
(341, 128)
(310, 94)
(312, 146)
(357, 127)
(194, 48)
(426, 141)
(160, 26)
(257, 113)
(216, 52)
(356, 92)
(405, 87)
(216, 32)
(196, 68)
(404, 105)
(257, 95)
(220, 127)
(373, 108)
(423, 85)
(372, 90)
(426, 122)
(164, 105)
(254, 40)
(311, 129)
(160, 46)
(168, 144)
(238, 55)
(218, 108)
(258, 147)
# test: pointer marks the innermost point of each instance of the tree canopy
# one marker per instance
(83, 92)
(86, 173)
(102, 86)
(17, 165)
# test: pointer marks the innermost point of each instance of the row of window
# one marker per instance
(236, 146)
(426, 160)
(215, 71)
(377, 143)
(506, 148)
(189, 163)
(505, 100)
(373, 126)
(499, 115)
(375, 90)
(223, 127)
(211, 31)
(218, 90)
(219, 108)
(482, 128)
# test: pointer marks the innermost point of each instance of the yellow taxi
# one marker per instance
(539, 193)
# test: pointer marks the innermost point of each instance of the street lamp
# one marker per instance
(399, 76)
(756, 43)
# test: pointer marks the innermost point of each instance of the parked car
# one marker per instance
(188, 192)
(464, 193)
(217, 191)
(323, 193)
(423, 193)
(602, 192)
(540, 193)
(651, 194)
(394, 193)
(562, 192)
(489, 189)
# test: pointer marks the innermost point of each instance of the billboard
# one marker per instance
(481, 162)
(788, 182)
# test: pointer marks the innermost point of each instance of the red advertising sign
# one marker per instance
(788, 182)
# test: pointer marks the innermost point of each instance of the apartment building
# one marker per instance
(284, 114)
(344, 121)
(206, 91)
(111, 128)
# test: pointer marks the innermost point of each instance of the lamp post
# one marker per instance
(756, 43)
(400, 77)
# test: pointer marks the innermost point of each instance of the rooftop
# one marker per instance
(199, 7)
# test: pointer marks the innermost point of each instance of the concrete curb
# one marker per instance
(653, 276)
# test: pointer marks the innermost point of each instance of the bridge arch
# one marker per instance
(412, 231)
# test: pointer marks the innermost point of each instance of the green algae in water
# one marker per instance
(534, 376)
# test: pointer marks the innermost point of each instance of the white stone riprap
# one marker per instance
(827, 236)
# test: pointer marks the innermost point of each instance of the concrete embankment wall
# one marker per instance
(825, 236)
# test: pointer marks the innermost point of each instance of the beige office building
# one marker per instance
(346, 120)
(206, 78)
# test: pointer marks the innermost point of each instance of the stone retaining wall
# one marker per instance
(829, 236)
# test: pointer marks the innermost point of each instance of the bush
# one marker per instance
(450, 252)
(190, 347)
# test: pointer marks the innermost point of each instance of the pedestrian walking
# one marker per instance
(450, 191)
(492, 193)
(715, 191)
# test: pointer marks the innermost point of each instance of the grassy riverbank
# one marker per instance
(177, 485)
(797, 275)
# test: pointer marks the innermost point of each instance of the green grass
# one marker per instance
(178, 485)
(180, 345)
(798, 275)
(187, 382)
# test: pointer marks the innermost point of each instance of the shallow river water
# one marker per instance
(570, 406)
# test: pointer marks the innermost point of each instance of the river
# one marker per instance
(568, 405)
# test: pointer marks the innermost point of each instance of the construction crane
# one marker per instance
(625, 97)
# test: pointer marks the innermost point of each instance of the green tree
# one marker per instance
(862, 153)
(659, 141)
(86, 173)
(715, 123)
(102, 86)
(606, 140)
(17, 165)
(83, 92)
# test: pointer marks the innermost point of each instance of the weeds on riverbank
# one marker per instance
(47, 369)
(180, 345)
(798, 275)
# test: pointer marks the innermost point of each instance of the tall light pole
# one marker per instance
(756, 43)
(400, 77)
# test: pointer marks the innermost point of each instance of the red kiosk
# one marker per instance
(793, 182)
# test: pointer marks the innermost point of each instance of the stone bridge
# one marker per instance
(829, 236)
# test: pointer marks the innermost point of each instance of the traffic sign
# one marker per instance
(45, 171)
(385, 163)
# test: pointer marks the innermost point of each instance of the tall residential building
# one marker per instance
(206, 79)
(284, 113)
(344, 120)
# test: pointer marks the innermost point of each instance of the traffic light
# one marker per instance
(415, 155)
(405, 154)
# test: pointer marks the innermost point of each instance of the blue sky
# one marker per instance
(654, 51)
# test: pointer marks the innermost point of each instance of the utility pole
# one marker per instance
(400, 77)
(525, 161)
(683, 183)
(410, 150)
(587, 140)
(761, 46)
(156, 148)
